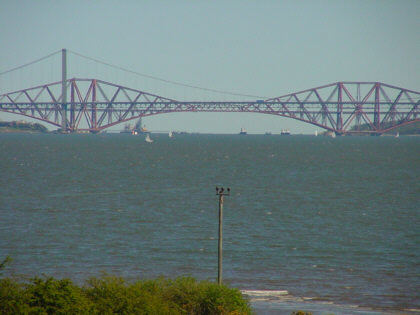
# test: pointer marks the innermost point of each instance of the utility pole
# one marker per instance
(63, 90)
(220, 192)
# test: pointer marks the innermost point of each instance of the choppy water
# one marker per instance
(331, 219)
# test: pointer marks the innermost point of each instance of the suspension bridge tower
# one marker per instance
(64, 90)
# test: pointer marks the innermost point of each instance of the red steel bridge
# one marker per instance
(94, 105)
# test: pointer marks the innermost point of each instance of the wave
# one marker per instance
(283, 300)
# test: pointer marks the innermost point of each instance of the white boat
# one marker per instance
(147, 139)
(243, 132)
(170, 135)
(397, 135)
(285, 132)
(316, 133)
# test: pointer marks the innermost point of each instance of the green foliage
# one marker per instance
(51, 296)
(205, 297)
(301, 313)
(112, 295)
(12, 298)
(42, 296)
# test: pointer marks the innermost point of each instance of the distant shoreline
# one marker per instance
(21, 127)
(26, 127)
(14, 130)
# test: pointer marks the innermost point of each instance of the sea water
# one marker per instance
(334, 222)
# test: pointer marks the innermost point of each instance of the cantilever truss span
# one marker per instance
(342, 107)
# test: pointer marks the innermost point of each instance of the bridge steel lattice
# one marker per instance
(94, 105)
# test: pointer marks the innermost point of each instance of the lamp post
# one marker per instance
(221, 192)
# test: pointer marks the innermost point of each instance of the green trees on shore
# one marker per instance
(410, 129)
(112, 295)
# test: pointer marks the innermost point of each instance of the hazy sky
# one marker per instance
(266, 48)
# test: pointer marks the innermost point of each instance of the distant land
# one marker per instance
(21, 126)
(27, 127)
(411, 129)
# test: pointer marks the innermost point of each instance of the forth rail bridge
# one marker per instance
(76, 104)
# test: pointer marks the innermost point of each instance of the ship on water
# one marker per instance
(243, 132)
(285, 132)
(138, 129)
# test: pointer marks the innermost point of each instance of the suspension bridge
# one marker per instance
(88, 104)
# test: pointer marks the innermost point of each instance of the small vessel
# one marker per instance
(268, 133)
(143, 130)
(243, 132)
(139, 128)
(170, 135)
(316, 133)
(397, 134)
(147, 139)
(285, 132)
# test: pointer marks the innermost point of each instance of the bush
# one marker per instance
(51, 296)
(205, 297)
(112, 295)
(12, 298)
(42, 296)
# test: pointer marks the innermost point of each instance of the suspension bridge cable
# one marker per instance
(31, 63)
(164, 80)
